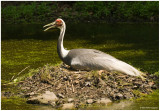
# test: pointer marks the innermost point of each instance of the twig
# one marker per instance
(72, 86)
(43, 88)
(66, 87)
(102, 81)
(10, 83)
(68, 83)
(19, 73)
(7, 83)
(12, 77)
(22, 70)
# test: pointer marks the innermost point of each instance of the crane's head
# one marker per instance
(58, 23)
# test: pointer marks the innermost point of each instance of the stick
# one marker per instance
(19, 73)
(12, 77)
(102, 81)
(72, 86)
(10, 83)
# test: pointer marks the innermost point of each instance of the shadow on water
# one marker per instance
(29, 45)
(125, 33)
(21, 32)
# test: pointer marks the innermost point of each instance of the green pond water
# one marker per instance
(28, 45)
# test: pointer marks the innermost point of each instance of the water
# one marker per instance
(28, 45)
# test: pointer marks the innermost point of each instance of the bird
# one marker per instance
(89, 59)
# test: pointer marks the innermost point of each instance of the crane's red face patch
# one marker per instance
(58, 22)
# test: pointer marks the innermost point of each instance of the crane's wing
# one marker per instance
(97, 60)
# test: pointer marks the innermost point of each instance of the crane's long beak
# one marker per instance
(50, 25)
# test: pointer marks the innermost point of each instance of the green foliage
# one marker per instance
(138, 93)
(45, 73)
(10, 13)
(25, 13)
(111, 11)
(156, 74)
(91, 9)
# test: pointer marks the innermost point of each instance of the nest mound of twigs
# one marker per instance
(82, 87)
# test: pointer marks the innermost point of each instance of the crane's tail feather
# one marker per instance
(127, 69)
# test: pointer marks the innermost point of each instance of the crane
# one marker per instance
(89, 59)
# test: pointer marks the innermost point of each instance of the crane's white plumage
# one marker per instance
(89, 59)
(64, 52)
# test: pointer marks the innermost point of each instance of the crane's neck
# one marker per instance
(60, 49)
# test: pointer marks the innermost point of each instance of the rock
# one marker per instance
(60, 95)
(151, 83)
(119, 96)
(75, 82)
(65, 78)
(78, 76)
(43, 98)
(70, 100)
(53, 104)
(154, 87)
(88, 84)
(104, 100)
(90, 101)
(29, 94)
(135, 87)
(67, 106)
(59, 86)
